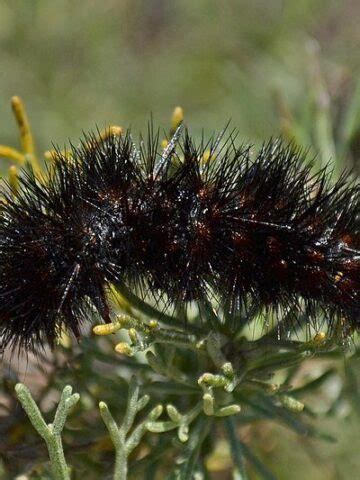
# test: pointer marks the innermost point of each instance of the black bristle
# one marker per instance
(260, 230)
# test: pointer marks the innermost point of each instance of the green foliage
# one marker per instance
(80, 65)
(192, 389)
(260, 64)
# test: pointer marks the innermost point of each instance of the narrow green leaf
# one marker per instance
(236, 448)
(259, 466)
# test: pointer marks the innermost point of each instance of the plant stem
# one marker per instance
(51, 433)
(118, 440)
(57, 458)
(121, 465)
(123, 443)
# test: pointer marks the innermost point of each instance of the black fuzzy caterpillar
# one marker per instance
(260, 229)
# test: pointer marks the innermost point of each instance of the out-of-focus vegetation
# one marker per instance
(80, 65)
(271, 66)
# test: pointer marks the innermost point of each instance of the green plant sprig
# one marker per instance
(124, 441)
(51, 432)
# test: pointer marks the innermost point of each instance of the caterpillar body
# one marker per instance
(187, 222)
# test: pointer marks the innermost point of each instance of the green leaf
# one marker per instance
(259, 466)
(193, 448)
(314, 384)
(236, 448)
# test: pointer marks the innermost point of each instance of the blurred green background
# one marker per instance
(78, 65)
(271, 66)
